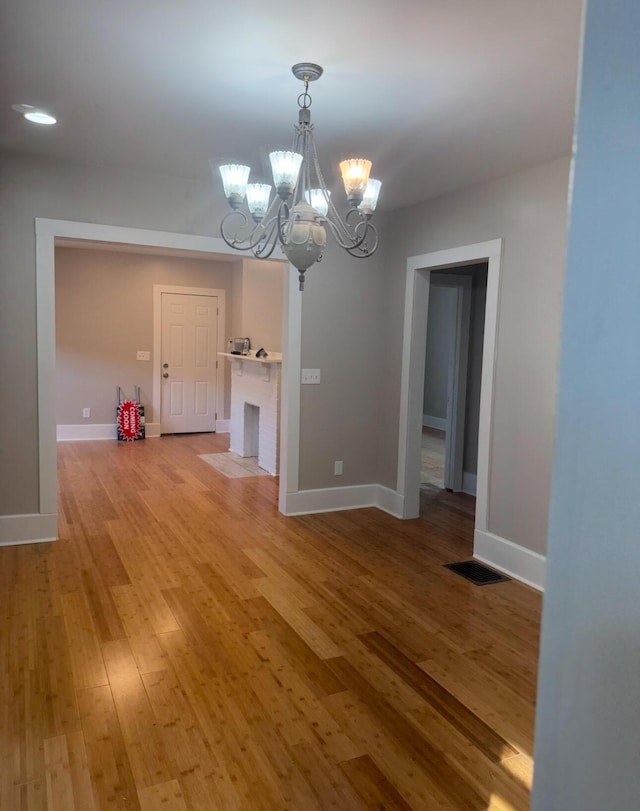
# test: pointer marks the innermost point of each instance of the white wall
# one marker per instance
(527, 210)
(588, 719)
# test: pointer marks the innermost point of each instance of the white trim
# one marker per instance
(66, 229)
(517, 561)
(34, 528)
(46, 232)
(413, 359)
(440, 423)
(389, 501)
(469, 483)
(354, 497)
(97, 431)
(46, 348)
(158, 290)
(71, 433)
(290, 391)
(223, 426)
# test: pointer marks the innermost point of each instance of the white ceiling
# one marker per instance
(440, 94)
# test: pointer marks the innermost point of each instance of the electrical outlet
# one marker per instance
(337, 468)
(143, 355)
(310, 376)
(86, 412)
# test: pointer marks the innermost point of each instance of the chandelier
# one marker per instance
(301, 210)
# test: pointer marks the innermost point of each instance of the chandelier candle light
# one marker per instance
(302, 208)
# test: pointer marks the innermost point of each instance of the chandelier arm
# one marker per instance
(351, 243)
(369, 229)
(282, 223)
(268, 244)
(250, 240)
(363, 251)
(340, 228)
(337, 221)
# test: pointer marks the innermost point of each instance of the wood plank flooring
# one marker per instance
(184, 647)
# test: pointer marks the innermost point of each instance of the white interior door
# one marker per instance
(189, 363)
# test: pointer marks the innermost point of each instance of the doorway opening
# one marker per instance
(53, 233)
(418, 283)
(452, 379)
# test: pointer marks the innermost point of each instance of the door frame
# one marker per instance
(413, 362)
(156, 398)
(457, 379)
(47, 231)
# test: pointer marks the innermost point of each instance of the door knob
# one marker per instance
(165, 374)
(165, 365)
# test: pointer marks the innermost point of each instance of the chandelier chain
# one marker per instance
(306, 98)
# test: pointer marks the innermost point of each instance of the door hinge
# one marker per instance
(216, 364)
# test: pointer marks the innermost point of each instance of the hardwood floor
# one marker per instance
(183, 646)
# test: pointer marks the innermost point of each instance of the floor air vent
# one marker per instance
(477, 573)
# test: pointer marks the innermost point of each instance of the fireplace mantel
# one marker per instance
(238, 361)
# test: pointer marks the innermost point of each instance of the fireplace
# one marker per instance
(255, 408)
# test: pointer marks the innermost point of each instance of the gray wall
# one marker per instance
(588, 721)
(40, 188)
(104, 314)
(343, 317)
(443, 305)
(262, 302)
(528, 210)
(352, 322)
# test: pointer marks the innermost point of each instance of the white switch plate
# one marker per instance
(337, 468)
(310, 376)
(86, 412)
(143, 355)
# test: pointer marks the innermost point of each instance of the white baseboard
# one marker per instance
(390, 501)
(33, 528)
(469, 483)
(223, 426)
(73, 433)
(434, 422)
(68, 433)
(508, 557)
(333, 499)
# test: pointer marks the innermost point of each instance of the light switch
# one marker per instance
(310, 376)
(143, 355)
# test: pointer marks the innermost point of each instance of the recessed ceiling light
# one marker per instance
(33, 114)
